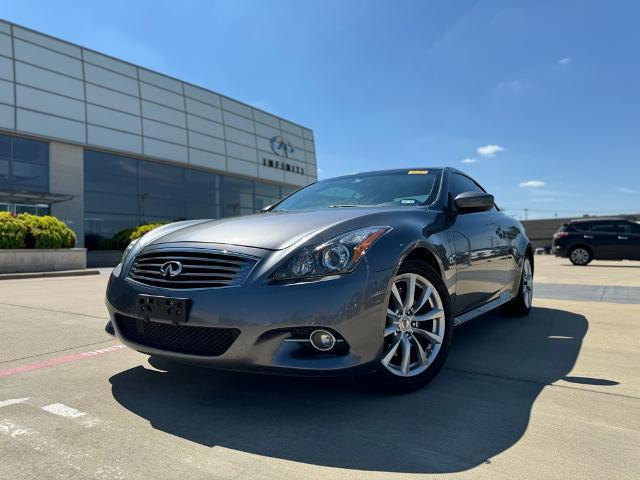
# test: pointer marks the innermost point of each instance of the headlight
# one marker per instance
(127, 251)
(339, 255)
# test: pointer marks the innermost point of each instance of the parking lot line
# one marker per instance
(74, 357)
(66, 411)
(12, 401)
(63, 410)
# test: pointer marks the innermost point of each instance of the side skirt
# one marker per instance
(482, 309)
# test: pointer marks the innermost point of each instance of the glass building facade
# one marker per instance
(24, 164)
(123, 192)
(104, 145)
(24, 168)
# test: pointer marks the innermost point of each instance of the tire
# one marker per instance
(580, 255)
(426, 332)
(520, 306)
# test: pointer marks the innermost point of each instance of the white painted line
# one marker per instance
(66, 411)
(12, 401)
(100, 351)
(63, 410)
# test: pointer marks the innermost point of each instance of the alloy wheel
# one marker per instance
(415, 326)
(579, 256)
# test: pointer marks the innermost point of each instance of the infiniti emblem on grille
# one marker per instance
(171, 269)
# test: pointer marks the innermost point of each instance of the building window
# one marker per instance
(266, 194)
(286, 191)
(24, 164)
(237, 196)
(202, 194)
(123, 192)
(161, 192)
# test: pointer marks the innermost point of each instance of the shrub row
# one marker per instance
(32, 231)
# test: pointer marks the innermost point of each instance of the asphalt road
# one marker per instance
(553, 395)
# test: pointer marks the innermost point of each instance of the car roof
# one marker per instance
(390, 171)
(402, 170)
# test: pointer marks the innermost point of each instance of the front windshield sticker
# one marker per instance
(418, 172)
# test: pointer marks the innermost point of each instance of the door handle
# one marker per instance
(588, 236)
(620, 237)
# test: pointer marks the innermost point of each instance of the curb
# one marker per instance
(61, 273)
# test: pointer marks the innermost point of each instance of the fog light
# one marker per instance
(322, 340)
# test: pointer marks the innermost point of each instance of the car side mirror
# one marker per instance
(266, 209)
(468, 202)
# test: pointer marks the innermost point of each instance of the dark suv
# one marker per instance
(603, 239)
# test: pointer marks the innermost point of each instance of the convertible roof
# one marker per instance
(395, 170)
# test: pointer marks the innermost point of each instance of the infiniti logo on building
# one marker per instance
(281, 146)
(171, 269)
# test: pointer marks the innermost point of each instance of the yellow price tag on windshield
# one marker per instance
(418, 172)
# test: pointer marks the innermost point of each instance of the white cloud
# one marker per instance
(468, 160)
(565, 61)
(532, 184)
(630, 191)
(489, 150)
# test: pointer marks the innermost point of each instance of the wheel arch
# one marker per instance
(424, 253)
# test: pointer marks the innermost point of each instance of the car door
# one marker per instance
(605, 241)
(479, 249)
(629, 238)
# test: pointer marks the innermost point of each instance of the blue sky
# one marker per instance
(542, 98)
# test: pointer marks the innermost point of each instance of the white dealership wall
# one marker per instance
(62, 92)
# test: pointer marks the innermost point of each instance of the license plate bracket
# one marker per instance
(157, 308)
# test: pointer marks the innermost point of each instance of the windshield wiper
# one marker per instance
(349, 206)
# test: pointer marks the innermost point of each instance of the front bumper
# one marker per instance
(352, 305)
(559, 250)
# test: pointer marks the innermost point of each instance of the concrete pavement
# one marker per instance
(554, 395)
(550, 269)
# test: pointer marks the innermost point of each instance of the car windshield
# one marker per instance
(402, 188)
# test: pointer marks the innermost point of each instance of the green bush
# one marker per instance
(142, 229)
(46, 232)
(12, 231)
(121, 239)
(32, 231)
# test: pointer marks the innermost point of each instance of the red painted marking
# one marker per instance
(74, 357)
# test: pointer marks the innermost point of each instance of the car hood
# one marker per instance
(272, 230)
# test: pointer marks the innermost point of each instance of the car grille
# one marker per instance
(205, 341)
(200, 268)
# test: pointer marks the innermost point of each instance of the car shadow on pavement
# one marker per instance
(478, 407)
